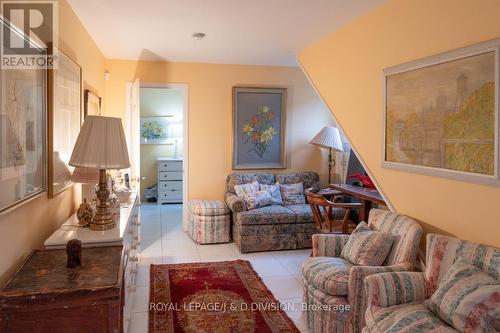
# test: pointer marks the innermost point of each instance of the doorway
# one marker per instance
(161, 142)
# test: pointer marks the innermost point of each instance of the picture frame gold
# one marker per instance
(65, 117)
(247, 104)
(92, 104)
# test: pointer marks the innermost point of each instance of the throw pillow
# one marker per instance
(468, 299)
(242, 189)
(258, 199)
(274, 191)
(292, 194)
(367, 247)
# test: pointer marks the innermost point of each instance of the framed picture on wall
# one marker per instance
(259, 128)
(91, 104)
(154, 130)
(65, 118)
(23, 130)
(442, 117)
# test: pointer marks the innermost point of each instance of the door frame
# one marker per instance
(185, 141)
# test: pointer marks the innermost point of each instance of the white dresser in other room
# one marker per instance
(169, 180)
(126, 233)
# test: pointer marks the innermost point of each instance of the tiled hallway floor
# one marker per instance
(163, 241)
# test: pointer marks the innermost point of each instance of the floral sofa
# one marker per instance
(272, 227)
(396, 300)
(333, 287)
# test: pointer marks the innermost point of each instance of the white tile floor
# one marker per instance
(163, 241)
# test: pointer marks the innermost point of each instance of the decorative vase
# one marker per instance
(94, 203)
(85, 213)
(114, 206)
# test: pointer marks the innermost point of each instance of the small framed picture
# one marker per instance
(155, 130)
(92, 104)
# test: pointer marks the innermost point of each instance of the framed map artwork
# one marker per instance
(441, 115)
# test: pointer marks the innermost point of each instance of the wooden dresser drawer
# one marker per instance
(169, 166)
(170, 175)
(164, 186)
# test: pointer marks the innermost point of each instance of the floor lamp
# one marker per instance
(329, 138)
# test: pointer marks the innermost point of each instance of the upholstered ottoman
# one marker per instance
(209, 221)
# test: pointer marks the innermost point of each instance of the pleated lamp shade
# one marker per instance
(101, 145)
(328, 137)
(85, 176)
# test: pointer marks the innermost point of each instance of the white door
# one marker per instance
(133, 129)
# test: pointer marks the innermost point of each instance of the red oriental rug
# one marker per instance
(225, 296)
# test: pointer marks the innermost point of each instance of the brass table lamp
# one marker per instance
(101, 145)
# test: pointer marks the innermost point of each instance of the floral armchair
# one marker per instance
(333, 287)
(395, 301)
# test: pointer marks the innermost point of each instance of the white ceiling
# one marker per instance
(261, 32)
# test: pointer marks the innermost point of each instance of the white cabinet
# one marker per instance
(126, 233)
(169, 180)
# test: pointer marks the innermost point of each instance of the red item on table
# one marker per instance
(364, 179)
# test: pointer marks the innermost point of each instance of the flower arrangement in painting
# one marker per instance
(260, 130)
(153, 130)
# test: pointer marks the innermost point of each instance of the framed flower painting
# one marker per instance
(259, 128)
(154, 130)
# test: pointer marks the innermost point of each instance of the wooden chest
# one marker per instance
(46, 296)
(126, 234)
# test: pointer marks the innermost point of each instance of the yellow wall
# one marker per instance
(346, 68)
(26, 227)
(210, 113)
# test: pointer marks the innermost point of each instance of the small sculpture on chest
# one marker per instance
(74, 252)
